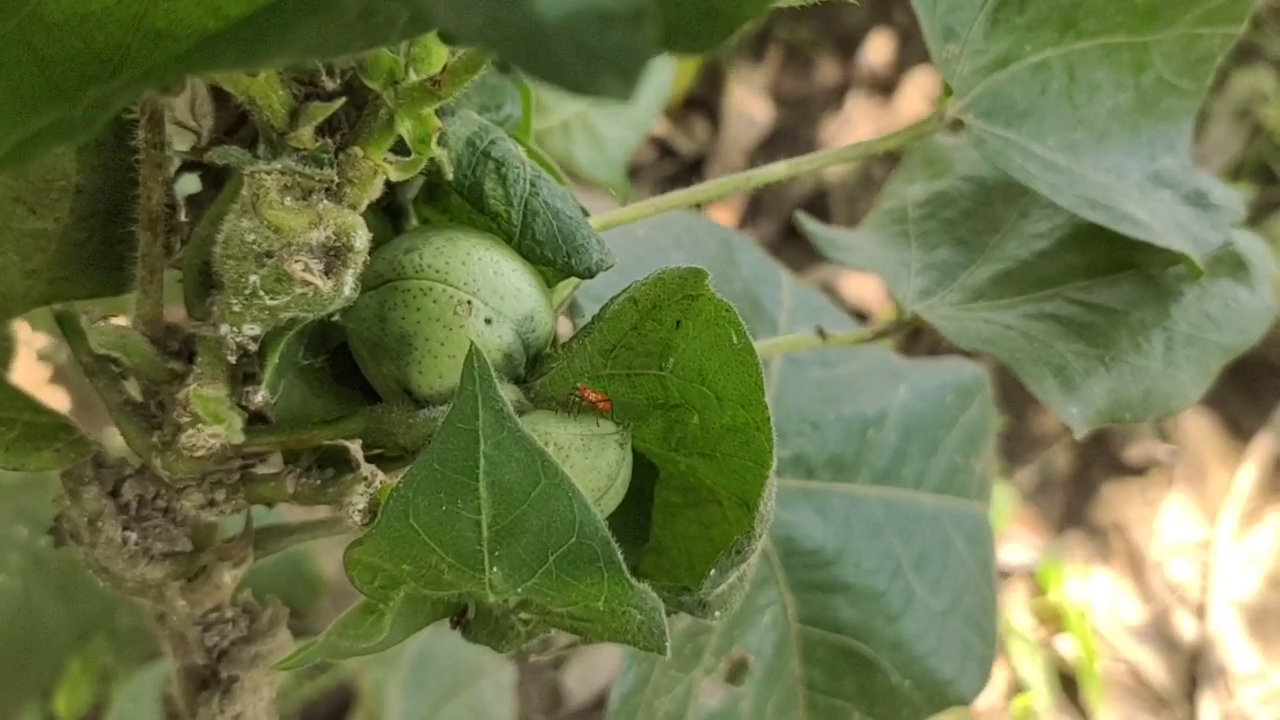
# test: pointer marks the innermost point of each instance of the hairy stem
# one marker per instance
(756, 178)
(775, 346)
(153, 194)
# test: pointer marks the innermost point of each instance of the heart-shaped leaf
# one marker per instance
(1092, 104)
(678, 364)
(486, 520)
(874, 595)
(1094, 323)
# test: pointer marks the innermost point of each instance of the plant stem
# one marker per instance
(122, 409)
(775, 346)
(153, 193)
(399, 428)
(278, 537)
(301, 437)
(759, 177)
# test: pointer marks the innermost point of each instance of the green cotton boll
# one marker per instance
(430, 292)
(594, 452)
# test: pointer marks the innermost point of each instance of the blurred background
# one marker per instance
(1139, 568)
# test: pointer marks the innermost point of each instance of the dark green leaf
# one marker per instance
(583, 45)
(66, 223)
(440, 675)
(494, 96)
(692, 27)
(1092, 105)
(488, 181)
(369, 627)
(51, 609)
(1094, 323)
(486, 516)
(679, 366)
(301, 378)
(594, 138)
(140, 695)
(52, 91)
(874, 595)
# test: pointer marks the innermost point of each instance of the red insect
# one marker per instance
(596, 399)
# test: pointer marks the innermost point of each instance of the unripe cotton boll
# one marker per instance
(594, 452)
(430, 292)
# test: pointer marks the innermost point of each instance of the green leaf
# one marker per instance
(439, 674)
(692, 27)
(140, 695)
(874, 595)
(1093, 105)
(51, 609)
(369, 627)
(1094, 323)
(34, 438)
(679, 366)
(488, 181)
(82, 682)
(485, 516)
(594, 138)
(306, 380)
(53, 92)
(495, 96)
(66, 222)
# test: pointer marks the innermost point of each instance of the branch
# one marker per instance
(774, 346)
(124, 412)
(271, 539)
(153, 194)
(756, 178)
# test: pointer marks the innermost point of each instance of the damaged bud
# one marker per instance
(283, 251)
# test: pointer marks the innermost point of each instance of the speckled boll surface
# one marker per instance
(427, 293)
(594, 452)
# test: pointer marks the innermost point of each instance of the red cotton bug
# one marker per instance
(596, 399)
